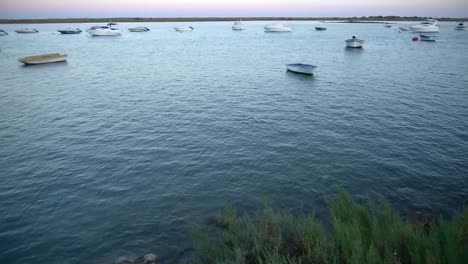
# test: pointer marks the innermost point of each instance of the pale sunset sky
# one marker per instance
(231, 8)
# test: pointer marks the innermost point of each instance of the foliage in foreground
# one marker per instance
(358, 234)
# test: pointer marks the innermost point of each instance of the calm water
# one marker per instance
(120, 150)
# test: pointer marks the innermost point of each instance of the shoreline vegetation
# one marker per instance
(356, 233)
(369, 19)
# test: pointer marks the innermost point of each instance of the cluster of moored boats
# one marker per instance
(424, 28)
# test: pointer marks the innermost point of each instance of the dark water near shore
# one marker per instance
(120, 150)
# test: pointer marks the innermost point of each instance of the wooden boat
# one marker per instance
(43, 59)
(301, 68)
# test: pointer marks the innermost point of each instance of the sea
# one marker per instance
(134, 140)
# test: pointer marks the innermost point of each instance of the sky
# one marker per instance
(230, 8)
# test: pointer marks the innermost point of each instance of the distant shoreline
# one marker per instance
(370, 19)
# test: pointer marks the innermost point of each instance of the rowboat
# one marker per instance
(43, 59)
(427, 37)
(139, 29)
(26, 31)
(183, 29)
(320, 28)
(301, 68)
(3, 32)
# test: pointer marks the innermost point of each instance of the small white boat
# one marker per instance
(427, 37)
(404, 28)
(3, 32)
(321, 28)
(43, 59)
(388, 25)
(302, 68)
(354, 42)
(107, 30)
(429, 26)
(69, 31)
(238, 26)
(26, 31)
(460, 26)
(139, 29)
(278, 27)
(183, 29)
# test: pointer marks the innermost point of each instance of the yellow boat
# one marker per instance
(43, 59)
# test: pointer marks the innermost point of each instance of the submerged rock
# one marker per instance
(123, 260)
(147, 259)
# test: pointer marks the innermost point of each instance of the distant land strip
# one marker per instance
(369, 19)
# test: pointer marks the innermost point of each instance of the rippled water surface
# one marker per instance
(120, 150)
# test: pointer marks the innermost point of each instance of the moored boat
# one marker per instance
(404, 28)
(3, 32)
(238, 26)
(460, 26)
(354, 42)
(427, 37)
(107, 30)
(139, 29)
(26, 31)
(429, 26)
(387, 25)
(69, 31)
(321, 28)
(43, 59)
(278, 27)
(183, 29)
(301, 68)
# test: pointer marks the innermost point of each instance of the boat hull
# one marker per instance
(302, 68)
(278, 30)
(138, 29)
(237, 28)
(98, 33)
(183, 29)
(425, 29)
(69, 32)
(428, 38)
(43, 59)
(320, 28)
(403, 28)
(26, 31)
(354, 43)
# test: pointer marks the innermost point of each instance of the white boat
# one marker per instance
(321, 28)
(354, 42)
(388, 25)
(107, 30)
(301, 68)
(238, 26)
(183, 29)
(427, 37)
(278, 27)
(43, 59)
(460, 26)
(3, 32)
(26, 31)
(68, 31)
(139, 29)
(429, 26)
(404, 28)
